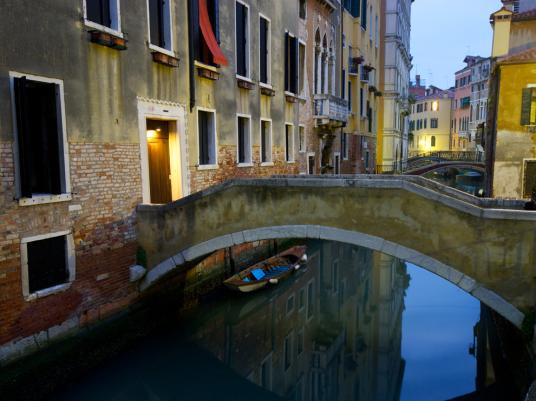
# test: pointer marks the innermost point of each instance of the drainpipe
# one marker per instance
(191, 55)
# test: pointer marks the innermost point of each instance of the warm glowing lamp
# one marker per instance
(151, 134)
(435, 105)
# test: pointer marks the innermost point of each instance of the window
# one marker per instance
(434, 123)
(301, 299)
(242, 39)
(266, 373)
(291, 63)
(265, 50)
(204, 29)
(528, 107)
(425, 123)
(288, 351)
(103, 14)
(290, 304)
(362, 102)
(300, 343)
(160, 23)
(310, 300)
(302, 59)
(344, 145)
(349, 96)
(433, 142)
(302, 139)
(364, 14)
(266, 141)
(244, 140)
(529, 178)
(289, 143)
(42, 161)
(47, 262)
(207, 137)
(303, 9)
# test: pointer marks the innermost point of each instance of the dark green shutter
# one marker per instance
(263, 48)
(526, 103)
(287, 62)
(23, 137)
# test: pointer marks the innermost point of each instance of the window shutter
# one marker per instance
(287, 62)
(355, 8)
(264, 50)
(241, 141)
(294, 64)
(216, 22)
(240, 40)
(23, 137)
(194, 29)
(155, 21)
(526, 102)
(106, 16)
(203, 138)
(52, 138)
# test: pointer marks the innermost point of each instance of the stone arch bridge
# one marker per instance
(486, 247)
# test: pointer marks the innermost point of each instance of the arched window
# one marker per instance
(433, 144)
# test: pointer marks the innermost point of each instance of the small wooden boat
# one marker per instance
(269, 271)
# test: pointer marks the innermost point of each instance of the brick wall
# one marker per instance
(106, 188)
(227, 162)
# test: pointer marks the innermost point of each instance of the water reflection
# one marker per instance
(335, 330)
(465, 179)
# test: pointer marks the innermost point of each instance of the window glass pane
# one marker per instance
(47, 263)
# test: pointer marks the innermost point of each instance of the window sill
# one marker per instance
(43, 199)
(242, 165)
(267, 164)
(290, 161)
(108, 40)
(207, 167)
(207, 71)
(165, 59)
(48, 291)
(291, 97)
(245, 83)
(102, 28)
(159, 49)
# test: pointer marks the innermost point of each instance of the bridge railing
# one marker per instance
(429, 158)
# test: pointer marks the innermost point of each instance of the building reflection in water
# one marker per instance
(331, 332)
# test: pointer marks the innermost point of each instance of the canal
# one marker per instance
(352, 324)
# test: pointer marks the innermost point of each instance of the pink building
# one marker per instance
(461, 137)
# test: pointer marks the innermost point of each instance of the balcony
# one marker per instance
(330, 110)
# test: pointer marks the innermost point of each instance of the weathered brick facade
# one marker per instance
(106, 186)
(228, 167)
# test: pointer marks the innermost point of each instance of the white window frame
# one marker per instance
(45, 198)
(290, 159)
(300, 127)
(115, 13)
(269, 57)
(214, 166)
(248, 43)
(302, 69)
(270, 162)
(168, 30)
(249, 151)
(25, 274)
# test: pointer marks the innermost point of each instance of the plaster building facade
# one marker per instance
(510, 136)
(430, 121)
(394, 138)
(461, 116)
(480, 74)
(197, 92)
(362, 74)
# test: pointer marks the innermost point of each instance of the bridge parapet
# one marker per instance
(487, 247)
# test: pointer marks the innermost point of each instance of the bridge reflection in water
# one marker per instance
(333, 331)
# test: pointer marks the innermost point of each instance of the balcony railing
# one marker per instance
(330, 108)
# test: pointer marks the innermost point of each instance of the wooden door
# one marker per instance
(159, 165)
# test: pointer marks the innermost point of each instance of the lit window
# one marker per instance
(435, 106)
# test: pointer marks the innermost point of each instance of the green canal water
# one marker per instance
(352, 324)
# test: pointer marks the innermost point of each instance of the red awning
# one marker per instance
(208, 34)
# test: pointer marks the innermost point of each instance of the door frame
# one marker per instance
(311, 154)
(175, 114)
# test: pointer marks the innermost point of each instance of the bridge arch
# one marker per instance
(484, 246)
(459, 279)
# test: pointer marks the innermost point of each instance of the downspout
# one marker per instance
(191, 55)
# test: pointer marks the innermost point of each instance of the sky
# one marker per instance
(443, 32)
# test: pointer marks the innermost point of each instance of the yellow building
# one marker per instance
(430, 122)
(511, 136)
(514, 133)
(362, 82)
